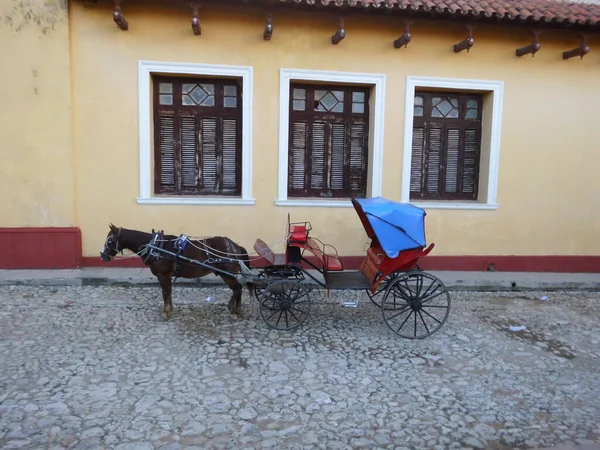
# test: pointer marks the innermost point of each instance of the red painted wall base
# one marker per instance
(567, 264)
(60, 248)
(40, 248)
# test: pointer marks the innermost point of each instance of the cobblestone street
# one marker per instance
(99, 367)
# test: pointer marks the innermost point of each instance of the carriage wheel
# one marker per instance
(285, 304)
(376, 297)
(416, 305)
(259, 287)
(274, 273)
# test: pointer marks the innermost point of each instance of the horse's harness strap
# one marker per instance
(156, 241)
(180, 245)
(153, 251)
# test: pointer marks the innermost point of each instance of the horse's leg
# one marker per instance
(165, 285)
(235, 303)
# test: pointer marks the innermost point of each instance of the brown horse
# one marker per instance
(217, 252)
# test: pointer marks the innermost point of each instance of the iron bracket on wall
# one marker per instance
(196, 19)
(580, 51)
(406, 37)
(532, 48)
(467, 43)
(339, 34)
(268, 28)
(118, 16)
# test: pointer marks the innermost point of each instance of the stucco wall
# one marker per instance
(548, 179)
(36, 174)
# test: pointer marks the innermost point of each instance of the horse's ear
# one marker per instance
(112, 227)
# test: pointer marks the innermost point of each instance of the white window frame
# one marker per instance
(145, 71)
(376, 165)
(497, 90)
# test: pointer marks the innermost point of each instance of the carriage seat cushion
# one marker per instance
(298, 234)
(331, 262)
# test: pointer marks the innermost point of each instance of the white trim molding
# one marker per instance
(376, 165)
(145, 71)
(497, 90)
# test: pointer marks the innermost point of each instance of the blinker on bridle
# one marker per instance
(108, 242)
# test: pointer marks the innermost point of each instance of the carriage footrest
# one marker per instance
(348, 279)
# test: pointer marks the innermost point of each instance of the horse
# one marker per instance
(165, 266)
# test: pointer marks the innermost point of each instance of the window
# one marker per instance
(428, 129)
(197, 136)
(328, 141)
(446, 145)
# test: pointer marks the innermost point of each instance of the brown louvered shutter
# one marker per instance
(328, 143)
(198, 136)
(445, 146)
(166, 146)
(417, 160)
(357, 164)
(189, 152)
(229, 154)
(208, 152)
(297, 162)
(470, 163)
(318, 153)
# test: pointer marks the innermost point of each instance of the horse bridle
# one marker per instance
(109, 240)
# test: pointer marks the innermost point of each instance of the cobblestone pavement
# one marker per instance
(98, 367)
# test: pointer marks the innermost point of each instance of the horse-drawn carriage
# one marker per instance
(389, 270)
(414, 303)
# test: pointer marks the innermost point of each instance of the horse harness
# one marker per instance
(154, 251)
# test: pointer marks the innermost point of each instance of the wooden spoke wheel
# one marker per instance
(271, 274)
(378, 295)
(416, 305)
(285, 304)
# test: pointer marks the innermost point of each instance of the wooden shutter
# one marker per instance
(208, 152)
(229, 155)
(197, 136)
(189, 152)
(445, 146)
(417, 160)
(357, 164)
(452, 169)
(318, 153)
(297, 162)
(338, 152)
(328, 144)
(433, 160)
(166, 147)
(470, 163)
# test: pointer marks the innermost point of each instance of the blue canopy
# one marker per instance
(397, 226)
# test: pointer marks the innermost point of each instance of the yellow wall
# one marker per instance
(36, 172)
(549, 188)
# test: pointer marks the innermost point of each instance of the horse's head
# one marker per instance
(112, 244)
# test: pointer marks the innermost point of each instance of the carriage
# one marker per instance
(415, 304)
